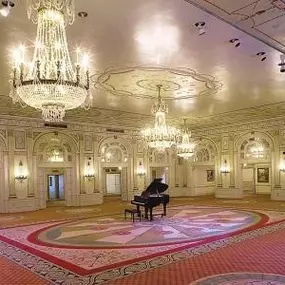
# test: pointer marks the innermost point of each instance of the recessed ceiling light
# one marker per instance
(236, 42)
(262, 56)
(201, 28)
(82, 14)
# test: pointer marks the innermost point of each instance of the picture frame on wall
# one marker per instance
(263, 175)
(210, 175)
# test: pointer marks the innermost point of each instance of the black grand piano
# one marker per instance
(152, 197)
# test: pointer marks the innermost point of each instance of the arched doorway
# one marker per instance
(255, 163)
(55, 167)
(115, 166)
(203, 170)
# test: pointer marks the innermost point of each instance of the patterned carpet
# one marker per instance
(114, 251)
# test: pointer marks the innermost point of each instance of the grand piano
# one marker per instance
(152, 197)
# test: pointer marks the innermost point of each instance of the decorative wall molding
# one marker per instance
(20, 140)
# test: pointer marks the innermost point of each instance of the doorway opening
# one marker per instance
(113, 184)
(248, 181)
(55, 187)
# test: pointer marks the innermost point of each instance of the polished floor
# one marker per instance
(201, 241)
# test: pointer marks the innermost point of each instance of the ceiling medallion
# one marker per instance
(49, 82)
(185, 148)
(160, 136)
(142, 81)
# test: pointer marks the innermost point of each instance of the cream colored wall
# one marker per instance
(185, 178)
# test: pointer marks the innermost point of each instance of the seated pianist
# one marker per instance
(152, 197)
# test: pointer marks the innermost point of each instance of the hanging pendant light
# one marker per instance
(160, 136)
(50, 82)
(186, 147)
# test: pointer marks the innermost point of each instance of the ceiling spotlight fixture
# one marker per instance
(82, 14)
(261, 55)
(201, 28)
(50, 82)
(282, 63)
(260, 12)
(6, 7)
(235, 42)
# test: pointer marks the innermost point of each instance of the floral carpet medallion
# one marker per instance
(246, 278)
(96, 250)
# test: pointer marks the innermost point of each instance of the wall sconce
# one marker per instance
(21, 173)
(89, 171)
(141, 171)
(282, 167)
(225, 168)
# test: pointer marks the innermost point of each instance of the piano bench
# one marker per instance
(133, 212)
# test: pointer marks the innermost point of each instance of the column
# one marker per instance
(81, 165)
(218, 160)
(147, 167)
(33, 189)
(30, 162)
(11, 164)
(134, 164)
(189, 178)
(275, 156)
(231, 161)
(176, 172)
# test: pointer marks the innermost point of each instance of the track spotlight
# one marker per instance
(201, 28)
(235, 42)
(6, 7)
(282, 63)
(261, 55)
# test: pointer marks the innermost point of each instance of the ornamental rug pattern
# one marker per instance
(108, 260)
(242, 278)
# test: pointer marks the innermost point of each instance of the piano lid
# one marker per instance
(156, 186)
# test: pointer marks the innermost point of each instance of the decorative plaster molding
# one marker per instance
(141, 82)
(20, 140)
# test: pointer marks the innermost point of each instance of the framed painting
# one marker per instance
(210, 175)
(263, 175)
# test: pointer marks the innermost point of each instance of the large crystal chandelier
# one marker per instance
(161, 136)
(256, 150)
(49, 82)
(185, 148)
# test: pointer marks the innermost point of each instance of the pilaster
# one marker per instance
(11, 163)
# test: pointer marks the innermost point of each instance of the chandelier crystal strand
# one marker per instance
(67, 8)
(185, 149)
(50, 83)
(161, 136)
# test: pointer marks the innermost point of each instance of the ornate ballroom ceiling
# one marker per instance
(136, 45)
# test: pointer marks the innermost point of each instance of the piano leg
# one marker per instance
(139, 211)
(150, 214)
(146, 212)
(164, 209)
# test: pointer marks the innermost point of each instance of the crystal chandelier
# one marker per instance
(49, 82)
(185, 149)
(161, 136)
(257, 150)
